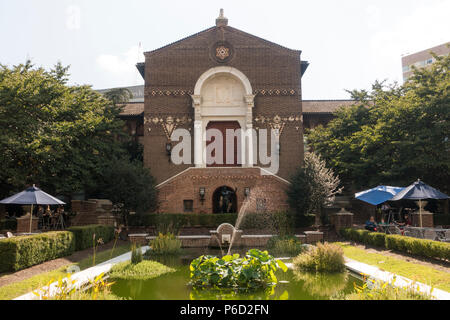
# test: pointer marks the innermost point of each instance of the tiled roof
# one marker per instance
(132, 109)
(324, 106)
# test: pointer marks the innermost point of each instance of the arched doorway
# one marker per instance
(222, 196)
(230, 144)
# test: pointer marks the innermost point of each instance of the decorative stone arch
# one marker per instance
(208, 108)
(223, 70)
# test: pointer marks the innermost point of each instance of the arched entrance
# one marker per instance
(223, 196)
(223, 94)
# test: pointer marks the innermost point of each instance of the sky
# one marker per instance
(349, 43)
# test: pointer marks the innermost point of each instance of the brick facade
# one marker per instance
(171, 74)
(267, 192)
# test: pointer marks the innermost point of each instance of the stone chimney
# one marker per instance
(221, 21)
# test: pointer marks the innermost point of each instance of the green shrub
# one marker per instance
(376, 239)
(285, 245)
(136, 254)
(321, 258)
(165, 222)
(9, 224)
(165, 244)
(144, 270)
(415, 246)
(84, 235)
(441, 219)
(255, 270)
(23, 252)
(280, 222)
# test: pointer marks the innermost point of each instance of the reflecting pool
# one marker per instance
(292, 285)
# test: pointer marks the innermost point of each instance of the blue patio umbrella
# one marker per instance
(420, 191)
(32, 196)
(378, 195)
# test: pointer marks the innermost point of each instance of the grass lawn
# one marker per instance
(17, 289)
(416, 272)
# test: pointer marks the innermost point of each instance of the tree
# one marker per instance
(313, 187)
(393, 134)
(129, 186)
(52, 134)
(119, 95)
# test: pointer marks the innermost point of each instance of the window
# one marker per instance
(429, 61)
(188, 205)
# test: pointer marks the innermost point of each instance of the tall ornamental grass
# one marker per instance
(321, 258)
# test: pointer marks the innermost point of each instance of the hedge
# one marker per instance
(10, 224)
(84, 235)
(23, 252)
(415, 246)
(181, 220)
(249, 221)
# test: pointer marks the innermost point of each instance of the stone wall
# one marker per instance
(427, 219)
(93, 211)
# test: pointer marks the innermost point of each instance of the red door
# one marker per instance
(223, 126)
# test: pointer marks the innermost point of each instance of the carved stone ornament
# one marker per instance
(222, 52)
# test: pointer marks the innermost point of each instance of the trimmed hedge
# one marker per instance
(84, 235)
(249, 221)
(9, 224)
(415, 246)
(23, 252)
(181, 220)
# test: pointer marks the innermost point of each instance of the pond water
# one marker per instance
(292, 285)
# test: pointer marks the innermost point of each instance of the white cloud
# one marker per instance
(123, 66)
(73, 18)
(373, 16)
(424, 28)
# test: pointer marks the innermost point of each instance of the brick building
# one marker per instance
(422, 59)
(223, 78)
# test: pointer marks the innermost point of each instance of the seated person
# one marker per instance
(371, 225)
(407, 220)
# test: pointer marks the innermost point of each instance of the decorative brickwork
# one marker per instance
(172, 72)
(186, 187)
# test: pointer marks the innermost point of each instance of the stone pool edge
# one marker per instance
(84, 276)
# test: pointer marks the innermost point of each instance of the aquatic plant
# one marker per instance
(66, 289)
(321, 258)
(380, 290)
(255, 270)
(165, 244)
(285, 245)
(136, 254)
(144, 270)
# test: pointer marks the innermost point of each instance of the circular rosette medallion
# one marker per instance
(222, 52)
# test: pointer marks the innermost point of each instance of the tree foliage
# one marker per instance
(128, 185)
(393, 134)
(313, 187)
(65, 138)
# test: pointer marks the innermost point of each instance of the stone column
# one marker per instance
(341, 220)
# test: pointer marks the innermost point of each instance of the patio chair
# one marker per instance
(9, 235)
(393, 229)
(446, 236)
(430, 234)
